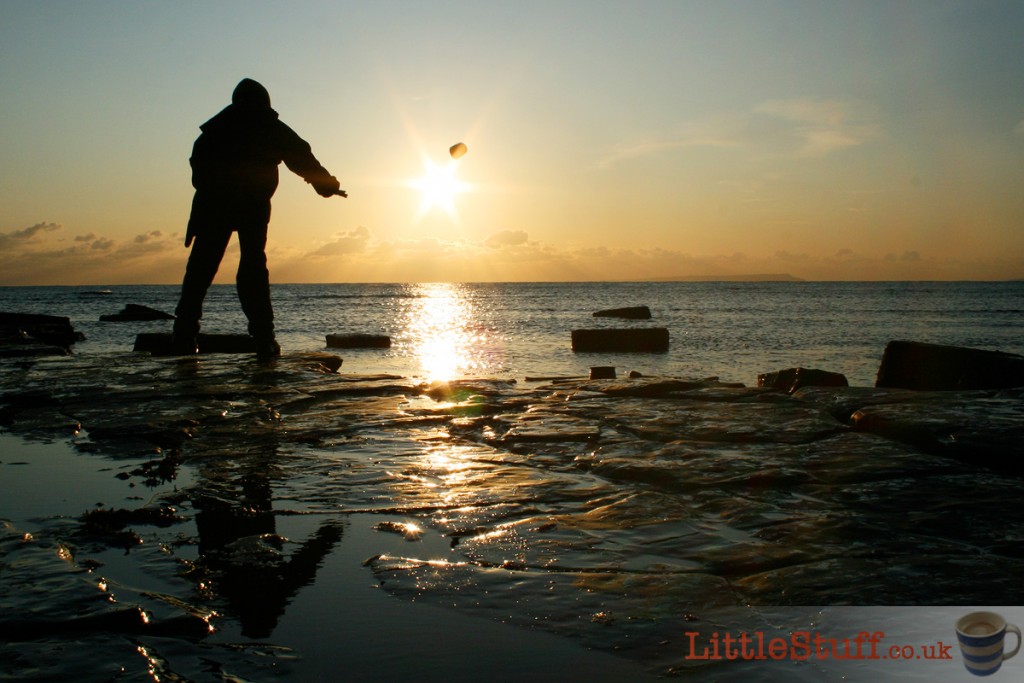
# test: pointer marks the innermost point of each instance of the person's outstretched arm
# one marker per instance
(298, 157)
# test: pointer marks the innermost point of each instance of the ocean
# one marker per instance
(732, 330)
(274, 522)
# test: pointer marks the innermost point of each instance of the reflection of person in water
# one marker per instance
(246, 558)
(234, 171)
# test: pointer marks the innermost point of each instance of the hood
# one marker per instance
(250, 105)
(249, 93)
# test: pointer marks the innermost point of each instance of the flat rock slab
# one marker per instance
(29, 349)
(628, 340)
(629, 313)
(723, 422)
(551, 427)
(648, 387)
(159, 343)
(358, 341)
(136, 313)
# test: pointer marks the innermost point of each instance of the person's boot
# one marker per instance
(184, 341)
(267, 348)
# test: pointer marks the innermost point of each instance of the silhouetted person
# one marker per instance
(234, 171)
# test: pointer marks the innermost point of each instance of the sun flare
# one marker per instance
(438, 187)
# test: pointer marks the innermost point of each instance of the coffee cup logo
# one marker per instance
(982, 636)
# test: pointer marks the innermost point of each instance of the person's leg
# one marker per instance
(253, 282)
(207, 252)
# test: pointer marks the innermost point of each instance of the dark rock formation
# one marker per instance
(602, 372)
(135, 313)
(979, 429)
(159, 343)
(630, 312)
(935, 367)
(28, 334)
(792, 379)
(358, 341)
(637, 340)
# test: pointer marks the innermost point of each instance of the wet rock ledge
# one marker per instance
(649, 497)
(29, 334)
(164, 402)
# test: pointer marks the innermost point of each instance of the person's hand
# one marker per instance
(328, 187)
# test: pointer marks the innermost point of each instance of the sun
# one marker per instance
(438, 187)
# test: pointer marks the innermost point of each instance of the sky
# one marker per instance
(607, 140)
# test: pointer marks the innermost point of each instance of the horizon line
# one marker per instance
(782, 278)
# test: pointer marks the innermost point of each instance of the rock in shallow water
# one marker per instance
(795, 378)
(136, 313)
(358, 341)
(629, 340)
(629, 313)
(934, 367)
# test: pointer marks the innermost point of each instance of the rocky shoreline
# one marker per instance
(700, 495)
(100, 398)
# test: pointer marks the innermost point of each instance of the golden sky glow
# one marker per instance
(608, 141)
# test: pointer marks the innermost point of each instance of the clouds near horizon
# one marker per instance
(42, 254)
(34, 255)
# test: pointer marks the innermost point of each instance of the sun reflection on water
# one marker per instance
(444, 333)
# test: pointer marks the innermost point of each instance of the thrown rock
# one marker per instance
(629, 340)
(792, 379)
(935, 367)
(358, 341)
(629, 312)
(136, 313)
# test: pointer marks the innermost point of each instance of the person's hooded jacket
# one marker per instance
(235, 159)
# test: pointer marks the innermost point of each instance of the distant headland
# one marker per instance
(757, 277)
